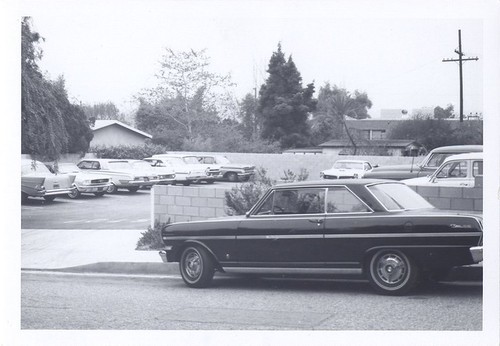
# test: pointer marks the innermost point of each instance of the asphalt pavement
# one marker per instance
(113, 251)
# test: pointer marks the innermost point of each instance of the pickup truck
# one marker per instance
(426, 167)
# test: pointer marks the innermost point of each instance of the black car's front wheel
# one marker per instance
(196, 266)
(392, 272)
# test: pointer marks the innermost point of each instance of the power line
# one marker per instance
(460, 60)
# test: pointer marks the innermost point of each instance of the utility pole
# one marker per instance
(460, 60)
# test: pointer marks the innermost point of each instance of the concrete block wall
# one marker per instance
(275, 164)
(187, 203)
(453, 198)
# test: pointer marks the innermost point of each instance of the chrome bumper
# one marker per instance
(477, 253)
(163, 255)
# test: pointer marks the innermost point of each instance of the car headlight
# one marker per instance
(356, 175)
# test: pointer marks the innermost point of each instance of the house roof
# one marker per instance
(99, 124)
(372, 124)
(391, 143)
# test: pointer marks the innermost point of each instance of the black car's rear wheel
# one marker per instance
(392, 272)
(196, 266)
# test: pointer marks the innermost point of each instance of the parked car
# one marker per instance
(211, 172)
(456, 170)
(166, 175)
(185, 174)
(428, 165)
(120, 172)
(343, 169)
(379, 229)
(229, 171)
(84, 182)
(38, 181)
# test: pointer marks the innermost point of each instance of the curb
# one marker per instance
(465, 273)
(137, 268)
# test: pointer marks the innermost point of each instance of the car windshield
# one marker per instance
(395, 196)
(67, 168)
(33, 166)
(191, 160)
(223, 160)
(141, 165)
(119, 165)
(348, 165)
(435, 160)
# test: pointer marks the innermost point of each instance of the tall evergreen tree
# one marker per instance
(284, 104)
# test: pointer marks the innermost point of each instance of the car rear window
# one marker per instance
(394, 196)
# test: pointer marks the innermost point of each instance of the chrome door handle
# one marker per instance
(318, 221)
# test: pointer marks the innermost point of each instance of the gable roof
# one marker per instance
(99, 124)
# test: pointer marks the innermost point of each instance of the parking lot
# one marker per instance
(122, 210)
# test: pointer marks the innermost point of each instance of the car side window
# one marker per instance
(267, 206)
(85, 165)
(299, 201)
(455, 169)
(367, 167)
(342, 200)
(477, 169)
(437, 159)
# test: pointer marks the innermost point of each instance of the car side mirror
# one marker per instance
(247, 214)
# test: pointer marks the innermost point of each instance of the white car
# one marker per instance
(85, 182)
(343, 169)
(456, 170)
(121, 173)
(228, 170)
(190, 163)
(166, 175)
(38, 181)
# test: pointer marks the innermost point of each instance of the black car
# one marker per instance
(379, 229)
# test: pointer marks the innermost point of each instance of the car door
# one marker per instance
(285, 231)
(347, 218)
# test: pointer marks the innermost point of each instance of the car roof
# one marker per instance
(458, 149)
(356, 161)
(330, 182)
(466, 156)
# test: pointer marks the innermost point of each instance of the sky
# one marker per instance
(110, 51)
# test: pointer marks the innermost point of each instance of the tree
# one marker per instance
(284, 104)
(103, 111)
(440, 113)
(334, 105)
(250, 122)
(50, 124)
(188, 94)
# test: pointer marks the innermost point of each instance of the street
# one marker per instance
(85, 301)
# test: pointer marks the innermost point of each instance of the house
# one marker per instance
(386, 147)
(114, 132)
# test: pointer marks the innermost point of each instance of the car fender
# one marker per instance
(187, 243)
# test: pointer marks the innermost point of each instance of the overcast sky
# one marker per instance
(109, 52)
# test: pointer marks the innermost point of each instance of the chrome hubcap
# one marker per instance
(193, 265)
(391, 269)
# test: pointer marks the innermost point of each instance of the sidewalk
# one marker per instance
(97, 251)
(113, 251)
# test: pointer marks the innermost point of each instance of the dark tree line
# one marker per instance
(51, 124)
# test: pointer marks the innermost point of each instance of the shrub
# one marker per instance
(242, 197)
(151, 239)
(134, 152)
(290, 176)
